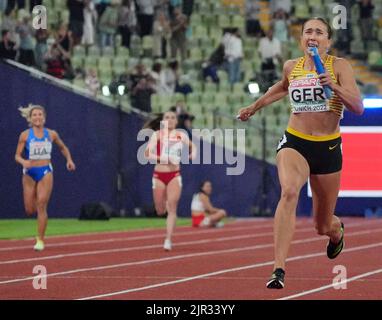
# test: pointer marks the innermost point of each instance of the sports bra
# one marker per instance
(38, 148)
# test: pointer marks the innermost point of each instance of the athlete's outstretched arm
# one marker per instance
(64, 150)
(274, 93)
(19, 149)
(347, 89)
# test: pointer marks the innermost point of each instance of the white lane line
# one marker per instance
(147, 247)
(205, 275)
(145, 237)
(332, 285)
(184, 256)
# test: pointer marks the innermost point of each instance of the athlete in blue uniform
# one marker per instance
(37, 180)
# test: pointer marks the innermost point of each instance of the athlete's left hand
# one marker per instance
(326, 79)
(70, 166)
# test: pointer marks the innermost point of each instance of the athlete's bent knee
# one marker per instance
(223, 213)
(161, 211)
(30, 210)
(289, 194)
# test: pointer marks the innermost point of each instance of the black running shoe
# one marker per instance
(277, 279)
(334, 249)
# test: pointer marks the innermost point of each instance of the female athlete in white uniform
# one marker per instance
(203, 213)
(165, 147)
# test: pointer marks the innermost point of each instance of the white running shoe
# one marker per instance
(39, 246)
(220, 224)
(167, 246)
(206, 222)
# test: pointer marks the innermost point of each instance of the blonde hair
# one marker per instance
(26, 112)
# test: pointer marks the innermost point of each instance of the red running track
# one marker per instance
(231, 263)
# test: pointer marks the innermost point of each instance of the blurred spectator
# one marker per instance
(284, 5)
(41, 48)
(108, 25)
(187, 7)
(172, 79)
(55, 62)
(270, 51)
(127, 21)
(178, 37)
(76, 19)
(64, 38)
(92, 82)
(164, 6)
(210, 67)
(281, 31)
(233, 51)
(101, 6)
(158, 77)
(26, 33)
(344, 36)
(7, 46)
(252, 24)
(10, 24)
(11, 4)
(172, 5)
(366, 8)
(3, 5)
(141, 94)
(33, 3)
(162, 35)
(137, 74)
(90, 21)
(145, 16)
(281, 26)
(184, 117)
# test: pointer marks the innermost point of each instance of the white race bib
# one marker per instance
(307, 95)
(40, 150)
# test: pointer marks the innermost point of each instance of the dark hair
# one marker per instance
(157, 67)
(4, 32)
(202, 185)
(330, 31)
(173, 64)
(154, 123)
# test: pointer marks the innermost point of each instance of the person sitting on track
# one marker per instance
(204, 214)
(37, 180)
(311, 146)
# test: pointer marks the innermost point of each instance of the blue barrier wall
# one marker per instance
(90, 130)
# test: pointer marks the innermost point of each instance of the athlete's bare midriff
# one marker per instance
(315, 124)
(40, 163)
(166, 167)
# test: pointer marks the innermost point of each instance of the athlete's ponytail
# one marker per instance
(26, 112)
(154, 123)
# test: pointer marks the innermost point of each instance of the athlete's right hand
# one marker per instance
(27, 164)
(245, 113)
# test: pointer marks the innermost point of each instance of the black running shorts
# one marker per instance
(323, 154)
